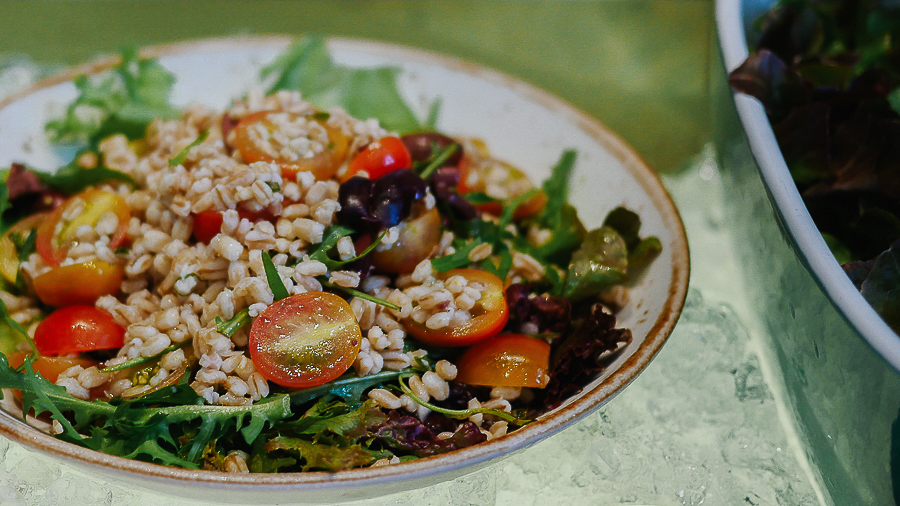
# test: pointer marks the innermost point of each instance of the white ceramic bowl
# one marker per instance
(732, 18)
(520, 124)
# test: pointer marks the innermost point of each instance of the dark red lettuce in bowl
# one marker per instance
(828, 75)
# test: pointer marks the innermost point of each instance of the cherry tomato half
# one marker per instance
(9, 254)
(379, 158)
(305, 340)
(49, 367)
(80, 283)
(76, 329)
(323, 165)
(507, 360)
(57, 233)
(489, 315)
(418, 239)
(490, 179)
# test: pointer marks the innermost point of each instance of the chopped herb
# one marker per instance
(438, 160)
(179, 158)
(230, 327)
(274, 279)
(275, 187)
(358, 293)
(462, 414)
(143, 360)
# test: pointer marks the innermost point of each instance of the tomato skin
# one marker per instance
(418, 239)
(379, 158)
(76, 329)
(49, 367)
(207, 224)
(56, 234)
(322, 165)
(9, 259)
(80, 283)
(507, 360)
(489, 315)
(305, 340)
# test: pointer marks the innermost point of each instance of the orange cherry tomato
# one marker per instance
(379, 158)
(305, 340)
(417, 241)
(500, 175)
(56, 234)
(77, 329)
(489, 315)
(9, 255)
(507, 360)
(253, 148)
(49, 367)
(80, 283)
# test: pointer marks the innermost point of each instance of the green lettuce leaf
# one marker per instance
(307, 67)
(125, 101)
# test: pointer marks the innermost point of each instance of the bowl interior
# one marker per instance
(520, 124)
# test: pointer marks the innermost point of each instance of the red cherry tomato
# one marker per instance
(379, 158)
(305, 340)
(80, 283)
(502, 175)
(489, 315)
(9, 255)
(76, 329)
(417, 241)
(50, 367)
(207, 224)
(56, 234)
(323, 165)
(507, 360)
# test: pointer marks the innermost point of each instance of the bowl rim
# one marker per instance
(789, 206)
(458, 460)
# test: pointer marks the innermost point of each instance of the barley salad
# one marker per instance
(283, 287)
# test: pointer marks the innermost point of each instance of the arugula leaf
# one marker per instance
(125, 101)
(559, 216)
(358, 293)
(455, 260)
(348, 387)
(557, 187)
(330, 239)
(170, 426)
(16, 332)
(72, 179)
(275, 283)
(307, 67)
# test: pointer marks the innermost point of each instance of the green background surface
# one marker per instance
(640, 67)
